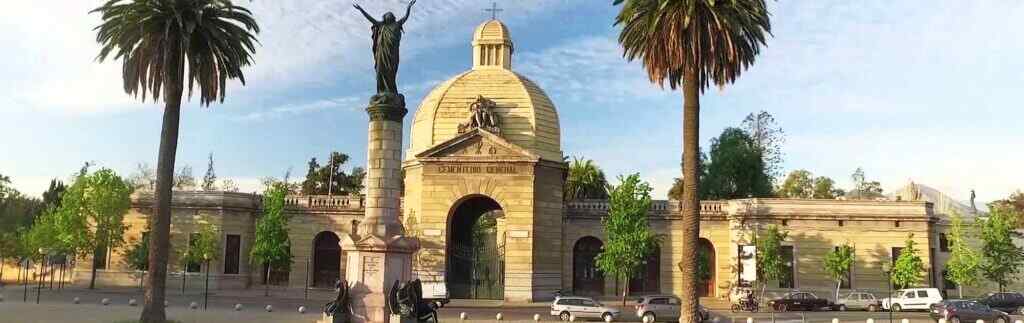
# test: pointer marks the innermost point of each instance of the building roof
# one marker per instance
(526, 114)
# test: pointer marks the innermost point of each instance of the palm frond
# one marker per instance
(157, 40)
(717, 40)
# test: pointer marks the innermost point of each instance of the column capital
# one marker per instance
(387, 107)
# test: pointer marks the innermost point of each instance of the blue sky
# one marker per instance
(922, 90)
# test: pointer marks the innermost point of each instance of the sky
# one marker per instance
(917, 90)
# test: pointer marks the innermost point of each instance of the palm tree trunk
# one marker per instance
(690, 201)
(159, 239)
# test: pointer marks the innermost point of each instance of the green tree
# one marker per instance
(271, 246)
(770, 264)
(1015, 202)
(909, 268)
(332, 177)
(156, 42)
(964, 264)
(838, 263)
(862, 188)
(210, 179)
(798, 184)
(768, 137)
(144, 178)
(630, 238)
(6, 190)
(1001, 258)
(824, 188)
(736, 169)
(585, 181)
(692, 44)
(52, 195)
(184, 180)
(136, 256)
(100, 199)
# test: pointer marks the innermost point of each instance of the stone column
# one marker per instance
(379, 254)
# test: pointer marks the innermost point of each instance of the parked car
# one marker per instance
(1009, 302)
(956, 311)
(566, 307)
(799, 301)
(858, 301)
(912, 299)
(664, 308)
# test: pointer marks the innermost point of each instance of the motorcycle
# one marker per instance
(746, 305)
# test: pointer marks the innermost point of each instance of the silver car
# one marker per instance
(663, 308)
(567, 307)
(859, 301)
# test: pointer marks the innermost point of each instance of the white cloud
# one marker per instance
(347, 103)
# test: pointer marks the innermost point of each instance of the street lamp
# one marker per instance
(887, 269)
(206, 285)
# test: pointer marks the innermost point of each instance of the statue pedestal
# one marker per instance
(373, 266)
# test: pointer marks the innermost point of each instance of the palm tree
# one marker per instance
(156, 40)
(585, 181)
(691, 44)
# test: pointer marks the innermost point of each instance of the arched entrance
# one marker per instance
(475, 248)
(649, 279)
(586, 278)
(326, 259)
(706, 270)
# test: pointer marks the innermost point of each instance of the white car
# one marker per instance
(912, 299)
(567, 307)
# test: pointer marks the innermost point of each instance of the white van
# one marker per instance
(912, 299)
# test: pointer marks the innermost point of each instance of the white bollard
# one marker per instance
(463, 316)
(193, 305)
(131, 302)
(835, 320)
(498, 316)
(572, 317)
(76, 300)
(1018, 321)
(105, 301)
(750, 320)
(871, 320)
(536, 317)
(942, 320)
(238, 307)
(302, 310)
(979, 321)
(905, 321)
(269, 308)
(608, 319)
(166, 304)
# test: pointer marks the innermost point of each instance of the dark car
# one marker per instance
(799, 301)
(1007, 302)
(956, 311)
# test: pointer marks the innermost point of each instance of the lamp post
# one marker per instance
(206, 285)
(887, 269)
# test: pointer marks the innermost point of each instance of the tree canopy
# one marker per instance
(736, 168)
(770, 264)
(768, 136)
(964, 264)
(271, 244)
(909, 268)
(332, 177)
(863, 189)
(1002, 259)
(585, 181)
(630, 238)
(803, 184)
(838, 263)
(1014, 202)
(210, 179)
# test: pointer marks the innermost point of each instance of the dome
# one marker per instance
(527, 116)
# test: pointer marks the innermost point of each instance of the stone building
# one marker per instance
(483, 195)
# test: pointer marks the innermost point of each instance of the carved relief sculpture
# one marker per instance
(483, 116)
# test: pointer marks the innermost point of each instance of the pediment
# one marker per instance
(478, 144)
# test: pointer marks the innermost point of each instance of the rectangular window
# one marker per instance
(788, 278)
(232, 245)
(192, 267)
(943, 242)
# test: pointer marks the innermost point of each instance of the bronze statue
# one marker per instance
(340, 309)
(387, 36)
(973, 208)
(482, 116)
(406, 300)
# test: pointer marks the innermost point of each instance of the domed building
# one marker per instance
(483, 179)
